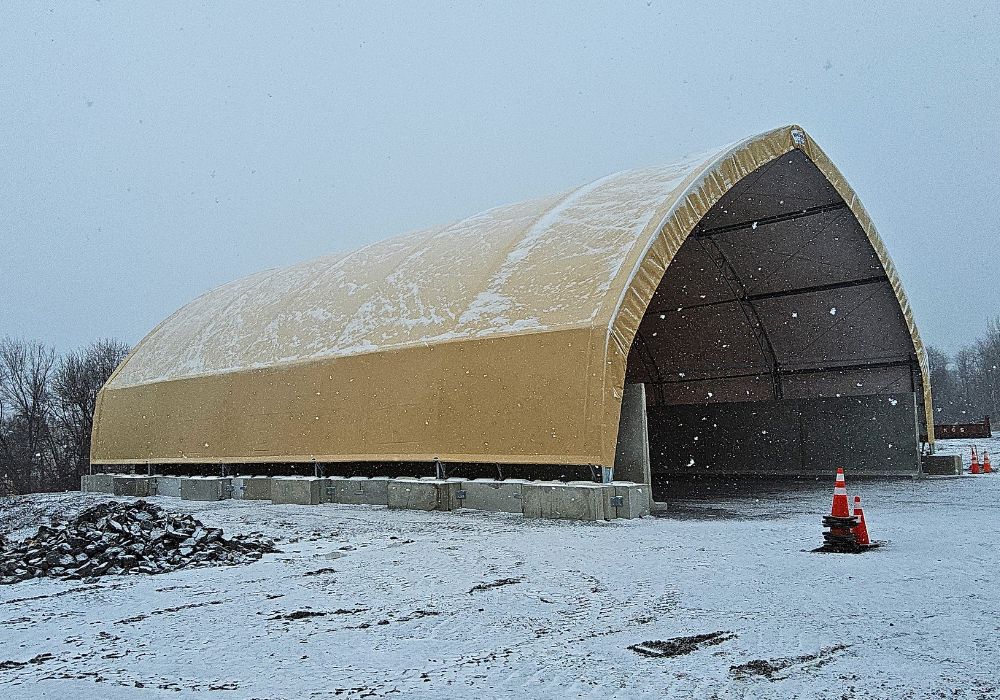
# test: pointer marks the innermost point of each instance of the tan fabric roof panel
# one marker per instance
(503, 337)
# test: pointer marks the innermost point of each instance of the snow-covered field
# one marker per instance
(364, 602)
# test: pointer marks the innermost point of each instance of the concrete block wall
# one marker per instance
(133, 485)
(252, 488)
(205, 488)
(298, 490)
(553, 499)
(633, 500)
(942, 465)
(329, 491)
(493, 496)
(169, 486)
(606, 493)
(97, 483)
(581, 500)
(424, 494)
(359, 490)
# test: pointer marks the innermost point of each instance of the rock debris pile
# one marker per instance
(116, 538)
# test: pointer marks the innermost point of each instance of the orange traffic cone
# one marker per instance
(974, 467)
(840, 508)
(860, 530)
(987, 467)
(840, 524)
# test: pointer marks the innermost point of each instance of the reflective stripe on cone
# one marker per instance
(840, 508)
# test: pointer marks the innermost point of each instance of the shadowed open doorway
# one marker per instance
(774, 343)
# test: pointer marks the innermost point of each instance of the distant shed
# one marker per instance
(742, 299)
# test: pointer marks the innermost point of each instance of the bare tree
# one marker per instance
(25, 413)
(947, 402)
(75, 384)
(988, 352)
(967, 386)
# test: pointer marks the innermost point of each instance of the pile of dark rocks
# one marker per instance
(114, 538)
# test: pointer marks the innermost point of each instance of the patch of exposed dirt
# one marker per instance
(415, 615)
(772, 669)
(679, 646)
(11, 665)
(166, 611)
(304, 614)
(495, 584)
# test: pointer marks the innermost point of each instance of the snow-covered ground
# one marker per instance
(366, 602)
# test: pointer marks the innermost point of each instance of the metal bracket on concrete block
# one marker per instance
(460, 494)
(618, 501)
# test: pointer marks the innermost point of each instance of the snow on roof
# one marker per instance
(536, 266)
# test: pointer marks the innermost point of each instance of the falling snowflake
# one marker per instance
(833, 311)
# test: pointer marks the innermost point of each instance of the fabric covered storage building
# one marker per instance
(744, 296)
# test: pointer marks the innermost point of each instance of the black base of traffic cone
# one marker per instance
(839, 537)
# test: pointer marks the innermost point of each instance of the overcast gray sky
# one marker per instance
(151, 151)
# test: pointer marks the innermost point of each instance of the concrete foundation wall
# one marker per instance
(942, 465)
(297, 490)
(360, 490)
(129, 485)
(424, 494)
(584, 501)
(867, 435)
(169, 486)
(581, 500)
(252, 488)
(97, 483)
(606, 492)
(492, 495)
(205, 488)
(634, 500)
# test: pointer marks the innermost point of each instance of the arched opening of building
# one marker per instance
(775, 343)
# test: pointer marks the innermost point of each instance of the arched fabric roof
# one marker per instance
(500, 338)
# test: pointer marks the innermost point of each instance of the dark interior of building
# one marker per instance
(775, 343)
